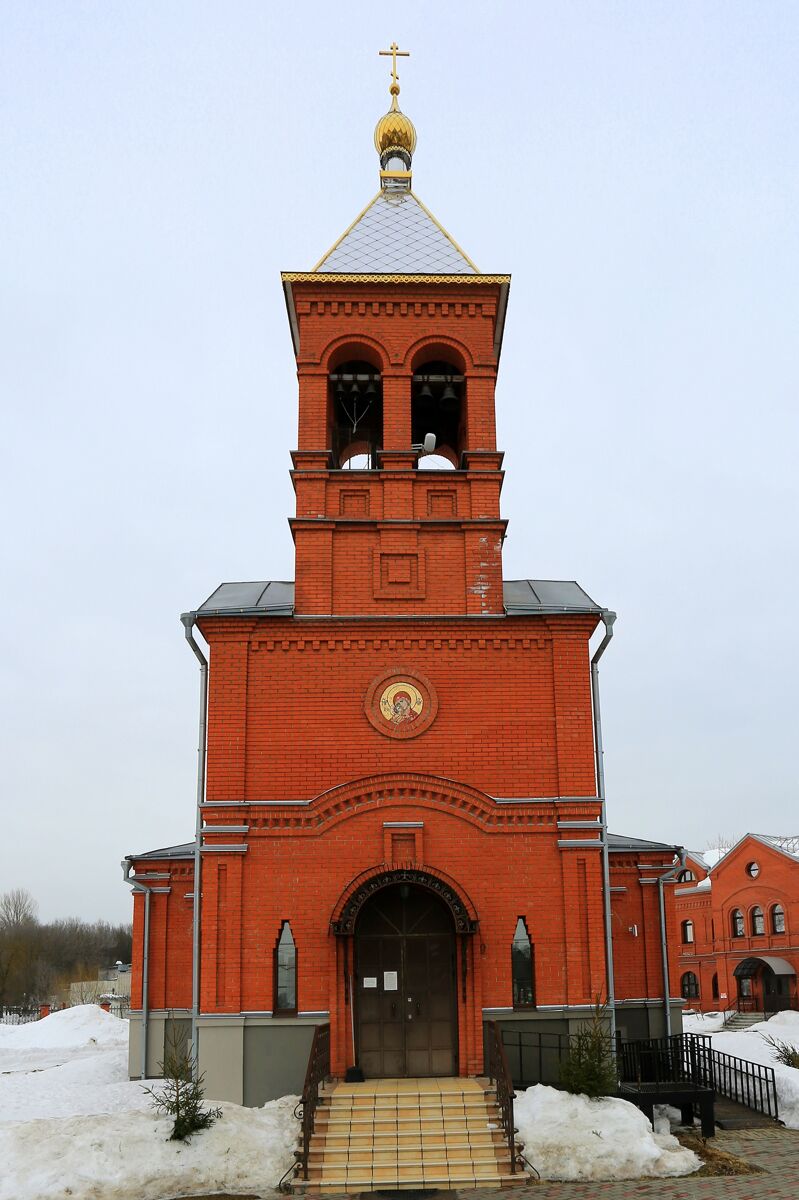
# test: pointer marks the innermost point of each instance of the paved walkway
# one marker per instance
(776, 1150)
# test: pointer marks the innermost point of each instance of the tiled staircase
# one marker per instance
(408, 1134)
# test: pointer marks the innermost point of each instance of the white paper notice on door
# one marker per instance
(390, 981)
(370, 981)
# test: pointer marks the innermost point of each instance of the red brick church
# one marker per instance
(401, 823)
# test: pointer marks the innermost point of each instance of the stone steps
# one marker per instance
(404, 1135)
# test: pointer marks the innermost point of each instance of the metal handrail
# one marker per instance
(317, 1072)
(498, 1072)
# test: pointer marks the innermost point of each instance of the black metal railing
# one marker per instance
(537, 1057)
(318, 1071)
(499, 1073)
(690, 1058)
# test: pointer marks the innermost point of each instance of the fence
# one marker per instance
(11, 1015)
(535, 1057)
(683, 1058)
(690, 1058)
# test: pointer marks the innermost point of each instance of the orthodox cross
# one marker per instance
(395, 53)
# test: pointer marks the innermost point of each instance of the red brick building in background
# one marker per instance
(402, 828)
(738, 917)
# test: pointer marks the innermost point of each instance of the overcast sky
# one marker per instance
(633, 165)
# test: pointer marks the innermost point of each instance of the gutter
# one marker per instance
(188, 620)
(146, 891)
(609, 619)
(667, 877)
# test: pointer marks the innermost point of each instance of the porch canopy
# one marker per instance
(750, 966)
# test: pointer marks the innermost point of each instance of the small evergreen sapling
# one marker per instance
(784, 1052)
(181, 1094)
(590, 1069)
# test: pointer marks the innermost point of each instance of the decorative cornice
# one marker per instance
(296, 641)
(390, 790)
(325, 277)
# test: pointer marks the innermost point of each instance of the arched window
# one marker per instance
(714, 986)
(437, 408)
(285, 971)
(758, 921)
(737, 923)
(687, 932)
(356, 415)
(686, 877)
(778, 919)
(689, 986)
(521, 956)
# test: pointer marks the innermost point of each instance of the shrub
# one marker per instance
(590, 1068)
(182, 1093)
(784, 1052)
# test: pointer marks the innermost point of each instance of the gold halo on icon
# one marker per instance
(387, 706)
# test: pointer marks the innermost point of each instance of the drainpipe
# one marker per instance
(188, 626)
(146, 891)
(608, 619)
(667, 877)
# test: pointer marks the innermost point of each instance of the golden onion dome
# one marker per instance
(395, 131)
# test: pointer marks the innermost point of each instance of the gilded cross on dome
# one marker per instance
(395, 53)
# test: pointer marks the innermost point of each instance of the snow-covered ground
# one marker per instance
(751, 1044)
(73, 1125)
(572, 1137)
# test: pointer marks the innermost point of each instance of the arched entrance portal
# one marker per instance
(406, 1018)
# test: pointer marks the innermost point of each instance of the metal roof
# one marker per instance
(185, 850)
(546, 595)
(396, 234)
(275, 598)
(620, 842)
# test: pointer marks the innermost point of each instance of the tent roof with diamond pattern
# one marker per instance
(396, 234)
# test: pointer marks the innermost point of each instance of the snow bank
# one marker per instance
(126, 1156)
(696, 1022)
(572, 1137)
(751, 1044)
(73, 1124)
(79, 1026)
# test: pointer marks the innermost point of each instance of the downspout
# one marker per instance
(146, 891)
(609, 620)
(667, 877)
(188, 626)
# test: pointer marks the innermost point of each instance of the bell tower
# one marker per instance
(397, 475)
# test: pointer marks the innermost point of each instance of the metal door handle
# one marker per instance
(418, 1009)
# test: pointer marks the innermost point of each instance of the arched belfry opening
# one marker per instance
(355, 406)
(437, 407)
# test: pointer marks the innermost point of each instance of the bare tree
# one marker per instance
(18, 910)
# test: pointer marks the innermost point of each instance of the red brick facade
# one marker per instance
(311, 793)
(743, 911)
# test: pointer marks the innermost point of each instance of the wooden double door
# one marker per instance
(404, 988)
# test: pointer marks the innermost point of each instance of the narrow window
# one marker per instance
(758, 921)
(285, 971)
(686, 877)
(737, 923)
(778, 919)
(687, 932)
(714, 986)
(522, 967)
(689, 986)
